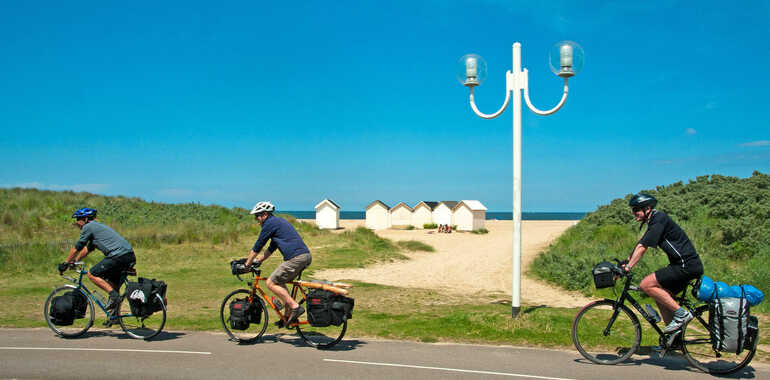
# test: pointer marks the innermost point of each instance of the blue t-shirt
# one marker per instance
(283, 236)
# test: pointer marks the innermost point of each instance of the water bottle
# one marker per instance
(277, 303)
(654, 314)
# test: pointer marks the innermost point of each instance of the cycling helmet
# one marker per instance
(263, 206)
(84, 212)
(642, 200)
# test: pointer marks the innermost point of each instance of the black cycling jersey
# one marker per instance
(664, 233)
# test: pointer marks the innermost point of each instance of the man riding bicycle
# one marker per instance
(684, 262)
(296, 255)
(119, 255)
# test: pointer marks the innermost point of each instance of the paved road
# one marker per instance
(38, 353)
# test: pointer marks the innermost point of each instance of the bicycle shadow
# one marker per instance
(296, 341)
(673, 361)
(119, 334)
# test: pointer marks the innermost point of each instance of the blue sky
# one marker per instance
(234, 102)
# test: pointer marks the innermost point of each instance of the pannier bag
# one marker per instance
(142, 296)
(603, 276)
(68, 307)
(240, 314)
(752, 331)
(728, 320)
(326, 308)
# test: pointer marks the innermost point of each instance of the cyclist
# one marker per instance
(119, 255)
(684, 262)
(296, 255)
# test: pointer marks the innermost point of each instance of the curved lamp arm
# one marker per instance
(496, 114)
(552, 110)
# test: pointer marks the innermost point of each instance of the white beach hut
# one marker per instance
(327, 215)
(442, 214)
(401, 215)
(423, 213)
(469, 215)
(377, 216)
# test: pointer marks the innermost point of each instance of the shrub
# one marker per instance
(430, 226)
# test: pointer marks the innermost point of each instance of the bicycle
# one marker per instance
(608, 332)
(137, 327)
(319, 337)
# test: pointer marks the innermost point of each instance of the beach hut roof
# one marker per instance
(378, 202)
(472, 204)
(329, 201)
(430, 204)
(404, 205)
(450, 204)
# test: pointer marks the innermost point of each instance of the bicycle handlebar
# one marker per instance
(237, 268)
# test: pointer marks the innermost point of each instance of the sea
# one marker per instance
(491, 215)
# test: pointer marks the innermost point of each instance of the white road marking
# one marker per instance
(105, 349)
(447, 369)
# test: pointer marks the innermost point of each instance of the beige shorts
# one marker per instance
(290, 268)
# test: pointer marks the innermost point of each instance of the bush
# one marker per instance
(430, 226)
(480, 231)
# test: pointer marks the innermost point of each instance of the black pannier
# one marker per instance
(326, 308)
(603, 276)
(68, 307)
(142, 296)
(241, 313)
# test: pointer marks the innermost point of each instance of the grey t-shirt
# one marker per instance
(103, 238)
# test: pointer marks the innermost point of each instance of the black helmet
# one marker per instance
(642, 200)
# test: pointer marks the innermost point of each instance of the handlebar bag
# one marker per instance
(603, 277)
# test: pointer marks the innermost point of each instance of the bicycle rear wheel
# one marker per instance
(603, 339)
(255, 330)
(697, 347)
(141, 327)
(321, 337)
(79, 325)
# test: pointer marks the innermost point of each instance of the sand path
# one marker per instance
(468, 264)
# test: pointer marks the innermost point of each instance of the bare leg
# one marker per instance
(666, 303)
(102, 283)
(283, 293)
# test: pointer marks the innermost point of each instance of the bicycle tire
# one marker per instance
(79, 325)
(141, 327)
(588, 332)
(697, 347)
(322, 337)
(255, 330)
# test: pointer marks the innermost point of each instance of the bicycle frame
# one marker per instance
(80, 285)
(296, 288)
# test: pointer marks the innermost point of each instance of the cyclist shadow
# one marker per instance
(296, 341)
(674, 361)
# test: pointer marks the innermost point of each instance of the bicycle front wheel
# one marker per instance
(698, 349)
(79, 325)
(139, 327)
(606, 333)
(255, 329)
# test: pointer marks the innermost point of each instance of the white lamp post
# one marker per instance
(565, 59)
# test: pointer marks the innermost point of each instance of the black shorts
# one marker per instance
(675, 278)
(110, 268)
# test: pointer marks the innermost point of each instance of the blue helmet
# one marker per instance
(84, 212)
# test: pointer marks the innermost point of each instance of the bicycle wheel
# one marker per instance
(321, 337)
(255, 330)
(79, 325)
(141, 327)
(603, 339)
(697, 347)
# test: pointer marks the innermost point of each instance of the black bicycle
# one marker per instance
(608, 332)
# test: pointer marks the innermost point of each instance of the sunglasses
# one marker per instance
(636, 209)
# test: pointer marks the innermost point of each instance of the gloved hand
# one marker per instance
(63, 267)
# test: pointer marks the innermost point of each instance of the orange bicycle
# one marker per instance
(252, 304)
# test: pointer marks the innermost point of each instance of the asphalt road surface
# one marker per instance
(40, 354)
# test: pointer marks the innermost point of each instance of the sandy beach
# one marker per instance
(467, 264)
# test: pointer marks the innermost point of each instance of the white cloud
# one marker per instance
(757, 143)
(690, 131)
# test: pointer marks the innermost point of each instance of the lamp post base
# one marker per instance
(515, 311)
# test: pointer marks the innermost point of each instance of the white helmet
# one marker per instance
(263, 206)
